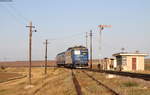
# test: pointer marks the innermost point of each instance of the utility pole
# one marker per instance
(46, 43)
(101, 27)
(86, 39)
(91, 49)
(100, 42)
(30, 49)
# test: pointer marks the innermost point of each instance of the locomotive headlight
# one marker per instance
(77, 52)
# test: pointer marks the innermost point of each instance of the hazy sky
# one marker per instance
(64, 23)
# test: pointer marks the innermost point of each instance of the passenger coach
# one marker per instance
(73, 57)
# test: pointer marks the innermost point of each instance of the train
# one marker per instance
(73, 57)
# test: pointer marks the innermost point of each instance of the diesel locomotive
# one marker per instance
(73, 57)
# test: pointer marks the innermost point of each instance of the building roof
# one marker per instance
(130, 54)
(77, 47)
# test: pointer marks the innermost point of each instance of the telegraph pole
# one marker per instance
(46, 43)
(100, 42)
(30, 49)
(86, 39)
(91, 49)
(101, 27)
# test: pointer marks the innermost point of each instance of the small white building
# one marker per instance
(130, 61)
(108, 63)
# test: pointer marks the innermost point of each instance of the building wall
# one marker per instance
(129, 62)
(107, 64)
(115, 63)
(124, 63)
(139, 63)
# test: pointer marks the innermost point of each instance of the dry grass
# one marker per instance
(4, 76)
(58, 81)
(90, 87)
(124, 85)
(147, 66)
(146, 71)
(26, 63)
(7, 74)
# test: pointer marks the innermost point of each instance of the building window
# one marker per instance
(119, 60)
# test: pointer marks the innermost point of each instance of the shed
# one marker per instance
(130, 61)
(108, 63)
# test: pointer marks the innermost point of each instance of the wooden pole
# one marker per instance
(30, 49)
(91, 49)
(46, 56)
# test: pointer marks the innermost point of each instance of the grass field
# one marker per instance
(58, 81)
(7, 74)
(124, 85)
(147, 66)
(4, 76)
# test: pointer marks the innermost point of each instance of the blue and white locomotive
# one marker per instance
(73, 57)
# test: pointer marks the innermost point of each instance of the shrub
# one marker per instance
(2, 67)
(130, 84)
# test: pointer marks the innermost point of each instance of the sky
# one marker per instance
(65, 22)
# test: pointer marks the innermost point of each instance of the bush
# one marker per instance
(2, 67)
(130, 84)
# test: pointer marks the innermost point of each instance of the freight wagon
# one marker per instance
(73, 57)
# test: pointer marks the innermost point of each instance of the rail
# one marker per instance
(128, 74)
(101, 84)
(76, 84)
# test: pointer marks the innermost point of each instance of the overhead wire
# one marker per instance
(70, 36)
(11, 14)
(16, 15)
(65, 38)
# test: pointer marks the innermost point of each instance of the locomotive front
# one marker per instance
(80, 57)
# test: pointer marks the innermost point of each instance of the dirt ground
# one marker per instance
(6, 76)
(59, 81)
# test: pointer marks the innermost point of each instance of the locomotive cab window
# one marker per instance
(84, 53)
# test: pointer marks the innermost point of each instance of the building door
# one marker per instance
(133, 63)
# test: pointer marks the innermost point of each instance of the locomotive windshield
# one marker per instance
(81, 55)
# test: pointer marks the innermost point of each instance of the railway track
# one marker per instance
(127, 74)
(76, 84)
(101, 84)
(98, 83)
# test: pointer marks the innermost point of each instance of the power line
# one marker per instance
(18, 13)
(15, 18)
(70, 36)
(66, 38)
(12, 11)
